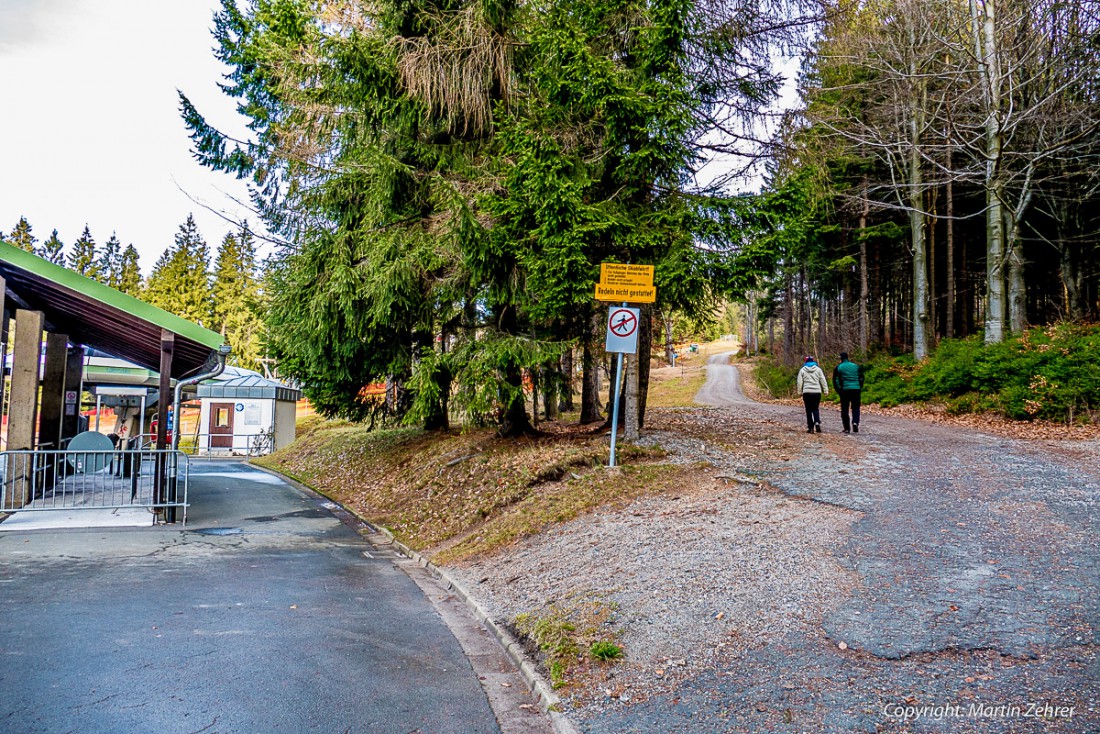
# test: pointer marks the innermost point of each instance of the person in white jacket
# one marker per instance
(811, 386)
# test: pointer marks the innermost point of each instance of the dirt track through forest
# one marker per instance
(914, 577)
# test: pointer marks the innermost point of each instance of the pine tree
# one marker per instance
(236, 298)
(21, 236)
(82, 258)
(109, 263)
(180, 282)
(129, 279)
(53, 250)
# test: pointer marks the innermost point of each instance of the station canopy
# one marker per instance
(94, 315)
(234, 383)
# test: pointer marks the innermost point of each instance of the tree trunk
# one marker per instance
(670, 349)
(565, 405)
(949, 316)
(591, 409)
(985, 44)
(917, 237)
(932, 302)
(645, 347)
(536, 381)
(1017, 287)
(1017, 290)
(552, 382)
(864, 291)
(629, 416)
(513, 420)
(788, 318)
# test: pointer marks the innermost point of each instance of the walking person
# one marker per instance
(811, 386)
(848, 381)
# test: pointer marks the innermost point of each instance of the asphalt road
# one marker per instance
(265, 613)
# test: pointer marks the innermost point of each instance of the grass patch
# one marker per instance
(673, 387)
(452, 495)
(605, 650)
(548, 505)
(572, 634)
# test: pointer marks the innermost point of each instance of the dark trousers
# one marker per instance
(849, 399)
(812, 401)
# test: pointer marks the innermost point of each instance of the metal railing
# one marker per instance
(238, 444)
(95, 480)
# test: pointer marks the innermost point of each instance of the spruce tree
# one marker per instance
(82, 258)
(454, 173)
(110, 262)
(21, 236)
(180, 282)
(53, 250)
(236, 298)
(129, 280)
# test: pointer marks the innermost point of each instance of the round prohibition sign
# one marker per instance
(622, 322)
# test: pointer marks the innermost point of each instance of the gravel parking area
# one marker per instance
(913, 577)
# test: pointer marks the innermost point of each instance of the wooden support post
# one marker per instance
(53, 391)
(74, 387)
(164, 402)
(5, 316)
(23, 406)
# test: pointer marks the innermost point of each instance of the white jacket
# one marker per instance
(812, 379)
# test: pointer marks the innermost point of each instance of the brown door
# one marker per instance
(221, 425)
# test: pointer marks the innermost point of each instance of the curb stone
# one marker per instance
(548, 700)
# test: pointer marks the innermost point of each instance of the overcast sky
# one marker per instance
(90, 131)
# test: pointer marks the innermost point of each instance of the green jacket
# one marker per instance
(848, 376)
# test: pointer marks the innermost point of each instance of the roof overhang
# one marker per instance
(95, 315)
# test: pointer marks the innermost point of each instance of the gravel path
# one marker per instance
(911, 578)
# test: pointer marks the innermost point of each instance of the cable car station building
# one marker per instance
(47, 463)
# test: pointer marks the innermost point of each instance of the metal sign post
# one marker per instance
(630, 284)
(615, 408)
(622, 337)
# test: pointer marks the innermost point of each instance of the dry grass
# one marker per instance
(457, 494)
(452, 495)
(674, 387)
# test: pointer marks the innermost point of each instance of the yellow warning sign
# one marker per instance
(620, 274)
(626, 293)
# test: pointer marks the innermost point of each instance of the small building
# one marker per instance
(245, 413)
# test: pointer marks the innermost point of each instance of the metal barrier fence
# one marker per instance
(231, 444)
(95, 480)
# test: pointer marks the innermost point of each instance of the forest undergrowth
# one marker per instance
(1045, 380)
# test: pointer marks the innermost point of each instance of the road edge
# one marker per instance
(548, 701)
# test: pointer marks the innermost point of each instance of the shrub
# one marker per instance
(1049, 373)
(887, 380)
(777, 378)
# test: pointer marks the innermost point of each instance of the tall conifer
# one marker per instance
(83, 258)
(53, 250)
(21, 236)
(129, 281)
(110, 262)
(236, 298)
(180, 281)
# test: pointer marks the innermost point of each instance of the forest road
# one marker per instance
(971, 600)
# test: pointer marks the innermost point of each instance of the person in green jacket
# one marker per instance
(848, 381)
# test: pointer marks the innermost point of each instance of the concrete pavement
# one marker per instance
(265, 613)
